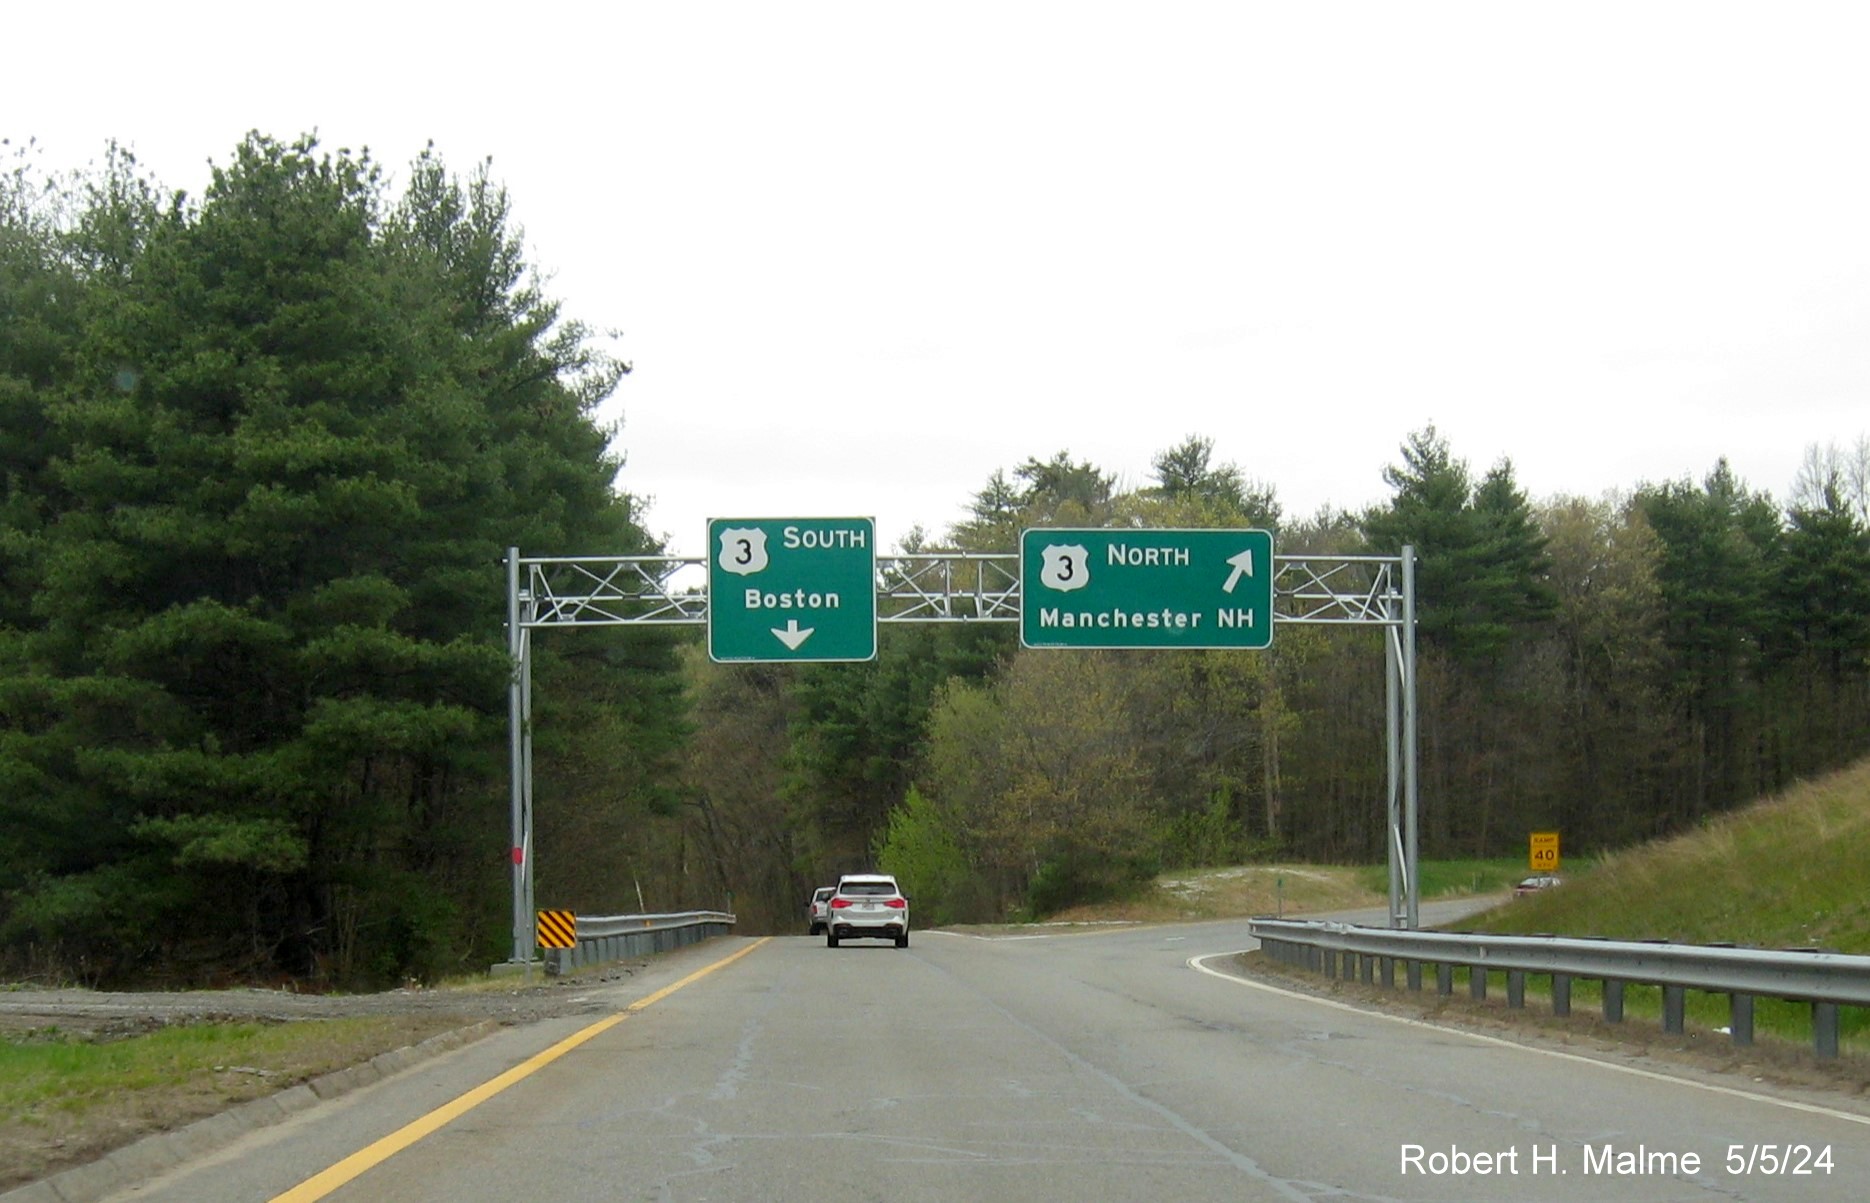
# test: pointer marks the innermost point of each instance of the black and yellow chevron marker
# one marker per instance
(558, 929)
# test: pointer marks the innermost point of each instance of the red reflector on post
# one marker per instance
(519, 856)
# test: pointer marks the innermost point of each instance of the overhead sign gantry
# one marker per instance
(783, 609)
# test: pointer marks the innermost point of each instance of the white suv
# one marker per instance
(818, 909)
(868, 906)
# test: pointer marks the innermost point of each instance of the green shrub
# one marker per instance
(920, 850)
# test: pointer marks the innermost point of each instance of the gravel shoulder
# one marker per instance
(91, 1013)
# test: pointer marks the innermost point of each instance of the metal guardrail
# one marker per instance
(1826, 980)
(613, 937)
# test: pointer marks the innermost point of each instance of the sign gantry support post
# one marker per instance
(518, 731)
(963, 587)
(1400, 707)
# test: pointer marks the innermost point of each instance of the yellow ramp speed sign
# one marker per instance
(1544, 856)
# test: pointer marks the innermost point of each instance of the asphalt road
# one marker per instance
(1072, 1066)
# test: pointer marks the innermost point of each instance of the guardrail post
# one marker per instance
(1412, 973)
(1825, 1028)
(1516, 988)
(1476, 982)
(1674, 1008)
(1613, 1001)
(1740, 1018)
(1561, 994)
(1444, 978)
(1369, 970)
(1388, 971)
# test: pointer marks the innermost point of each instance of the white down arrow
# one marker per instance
(792, 636)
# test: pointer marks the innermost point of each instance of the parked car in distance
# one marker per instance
(818, 909)
(1532, 885)
(868, 906)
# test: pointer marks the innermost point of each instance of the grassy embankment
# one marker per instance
(1792, 872)
(1787, 873)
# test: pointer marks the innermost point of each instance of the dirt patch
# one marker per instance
(1232, 893)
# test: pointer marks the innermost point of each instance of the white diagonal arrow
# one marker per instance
(792, 636)
(1243, 566)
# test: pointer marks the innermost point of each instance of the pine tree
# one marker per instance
(1717, 542)
(262, 697)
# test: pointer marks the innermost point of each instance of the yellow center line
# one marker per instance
(327, 1180)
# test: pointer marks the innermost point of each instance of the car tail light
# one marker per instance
(839, 903)
(897, 903)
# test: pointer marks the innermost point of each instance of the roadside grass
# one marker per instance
(1455, 878)
(68, 1096)
(1774, 1019)
(1787, 873)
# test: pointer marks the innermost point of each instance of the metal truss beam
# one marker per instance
(583, 591)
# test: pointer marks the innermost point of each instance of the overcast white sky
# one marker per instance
(861, 255)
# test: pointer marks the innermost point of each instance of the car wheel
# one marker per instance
(902, 941)
(831, 939)
(814, 930)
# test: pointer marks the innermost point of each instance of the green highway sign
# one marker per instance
(1117, 588)
(784, 589)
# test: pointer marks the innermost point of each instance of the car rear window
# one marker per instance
(866, 889)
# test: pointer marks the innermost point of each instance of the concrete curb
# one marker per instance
(145, 1158)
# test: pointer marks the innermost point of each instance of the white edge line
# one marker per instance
(968, 935)
(1095, 930)
(1195, 963)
